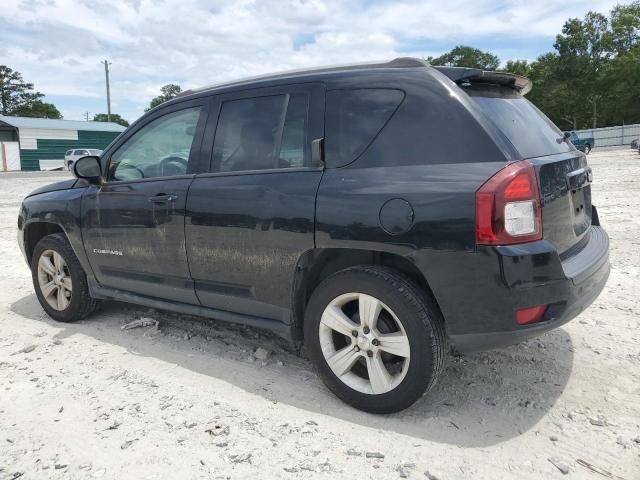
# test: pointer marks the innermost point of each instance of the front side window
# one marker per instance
(262, 133)
(159, 149)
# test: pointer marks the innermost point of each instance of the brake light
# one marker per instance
(508, 207)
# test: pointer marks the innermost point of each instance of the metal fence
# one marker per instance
(611, 136)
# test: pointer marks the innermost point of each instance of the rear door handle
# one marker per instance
(163, 198)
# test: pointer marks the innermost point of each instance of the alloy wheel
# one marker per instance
(54, 280)
(364, 343)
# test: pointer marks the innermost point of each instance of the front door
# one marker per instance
(133, 225)
(252, 217)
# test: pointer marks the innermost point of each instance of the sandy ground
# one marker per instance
(189, 399)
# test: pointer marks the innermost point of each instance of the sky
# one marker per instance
(59, 44)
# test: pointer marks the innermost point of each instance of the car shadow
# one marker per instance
(482, 399)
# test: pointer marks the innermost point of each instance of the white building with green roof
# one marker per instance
(40, 143)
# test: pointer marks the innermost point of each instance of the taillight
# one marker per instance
(508, 207)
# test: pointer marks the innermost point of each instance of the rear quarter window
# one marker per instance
(354, 118)
(526, 127)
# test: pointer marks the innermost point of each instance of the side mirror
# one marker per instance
(89, 169)
(566, 135)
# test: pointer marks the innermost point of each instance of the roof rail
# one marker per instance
(400, 62)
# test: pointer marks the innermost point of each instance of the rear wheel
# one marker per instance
(59, 280)
(375, 338)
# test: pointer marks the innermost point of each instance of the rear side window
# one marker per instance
(354, 118)
(262, 133)
(526, 127)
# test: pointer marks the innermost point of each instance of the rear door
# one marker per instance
(252, 217)
(133, 224)
(564, 176)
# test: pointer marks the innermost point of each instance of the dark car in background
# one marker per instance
(583, 143)
(374, 213)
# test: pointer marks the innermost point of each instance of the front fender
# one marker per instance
(61, 208)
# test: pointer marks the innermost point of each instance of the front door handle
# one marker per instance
(163, 198)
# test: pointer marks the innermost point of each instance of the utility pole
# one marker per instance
(106, 74)
(86, 116)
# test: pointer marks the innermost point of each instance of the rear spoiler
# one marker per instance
(475, 75)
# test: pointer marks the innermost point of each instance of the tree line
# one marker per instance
(590, 79)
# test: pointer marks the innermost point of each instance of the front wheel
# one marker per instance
(59, 280)
(375, 338)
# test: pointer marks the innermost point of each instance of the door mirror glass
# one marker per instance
(88, 168)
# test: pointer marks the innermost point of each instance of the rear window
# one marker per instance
(526, 127)
(354, 118)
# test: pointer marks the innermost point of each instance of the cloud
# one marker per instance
(59, 44)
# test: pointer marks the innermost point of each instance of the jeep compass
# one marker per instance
(376, 214)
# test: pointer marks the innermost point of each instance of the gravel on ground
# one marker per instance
(179, 397)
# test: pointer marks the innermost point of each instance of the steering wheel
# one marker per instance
(125, 165)
(166, 161)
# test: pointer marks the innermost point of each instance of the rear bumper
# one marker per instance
(480, 313)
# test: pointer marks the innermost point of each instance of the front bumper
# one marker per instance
(479, 304)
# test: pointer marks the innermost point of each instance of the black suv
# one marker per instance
(374, 212)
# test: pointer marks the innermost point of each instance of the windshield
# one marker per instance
(526, 127)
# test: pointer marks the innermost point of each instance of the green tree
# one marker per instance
(37, 109)
(15, 93)
(519, 67)
(167, 93)
(465, 56)
(103, 117)
(555, 97)
(622, 72)
(584, 48)
(625, 27)
(590, 79)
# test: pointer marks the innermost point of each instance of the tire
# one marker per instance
(61, 303)
(404, 311)
(587, 149)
